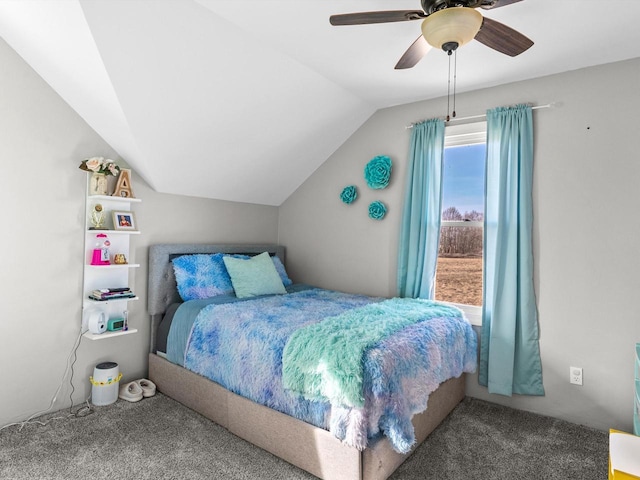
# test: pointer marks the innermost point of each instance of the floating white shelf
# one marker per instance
(109, 198)
(115, 232)
(114, 266)
(105, 335)
(91, 301)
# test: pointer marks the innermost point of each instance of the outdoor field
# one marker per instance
(459, 280)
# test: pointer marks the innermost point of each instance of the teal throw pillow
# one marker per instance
(255, 276)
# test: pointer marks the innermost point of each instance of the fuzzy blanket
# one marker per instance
(324, 360)
(240, 346)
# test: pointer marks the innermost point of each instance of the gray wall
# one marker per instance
(586, 235)
(585, 196)
(42, 141)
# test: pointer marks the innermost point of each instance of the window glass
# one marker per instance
(459, 269)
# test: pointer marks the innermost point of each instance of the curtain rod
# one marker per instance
(484, 115)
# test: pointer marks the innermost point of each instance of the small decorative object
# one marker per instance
(97, 217)
(119, 259)
(377, 210)
(123, 187)
(124, 221)
(378, 172)
(101, 250)
(349, 194)
(115, 324)
(99, 167)
(98, 184)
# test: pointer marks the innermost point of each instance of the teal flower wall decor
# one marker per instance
(378, 172)
(377, 210)
(349, 194)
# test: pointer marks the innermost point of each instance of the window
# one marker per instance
(459, 268)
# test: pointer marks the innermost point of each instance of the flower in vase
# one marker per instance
(100, 165)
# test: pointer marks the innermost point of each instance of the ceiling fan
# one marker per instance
(447, 24)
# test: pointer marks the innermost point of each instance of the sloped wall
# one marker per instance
(42, 142)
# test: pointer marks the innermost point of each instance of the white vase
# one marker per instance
(98, 184)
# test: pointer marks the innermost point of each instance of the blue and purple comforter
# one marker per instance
(240, 346)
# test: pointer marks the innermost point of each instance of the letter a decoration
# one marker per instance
(123, 187)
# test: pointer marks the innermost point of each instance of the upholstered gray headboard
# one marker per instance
(162, 286)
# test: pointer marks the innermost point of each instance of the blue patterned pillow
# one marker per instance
(286, 281)
(201, 276)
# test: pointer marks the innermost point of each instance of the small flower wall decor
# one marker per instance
(349, 194)
(100, 165)
(377, 210)
(378, 172)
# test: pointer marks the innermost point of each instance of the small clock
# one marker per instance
(115, 324)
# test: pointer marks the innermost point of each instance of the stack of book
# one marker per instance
(111, 294)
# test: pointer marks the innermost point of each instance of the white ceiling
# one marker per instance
(243, 100)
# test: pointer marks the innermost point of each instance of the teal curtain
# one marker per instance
(420, 229)
(509, 349)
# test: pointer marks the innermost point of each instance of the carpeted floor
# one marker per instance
(158, 438)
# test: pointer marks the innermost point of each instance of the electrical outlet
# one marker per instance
(575, 375)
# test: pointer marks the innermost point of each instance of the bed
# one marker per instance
(303, 444)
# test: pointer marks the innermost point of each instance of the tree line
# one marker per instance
(460, 241)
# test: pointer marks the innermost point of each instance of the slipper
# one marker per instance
(131, 392)
(147, 386)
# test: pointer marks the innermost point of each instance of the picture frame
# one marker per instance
(124, 221)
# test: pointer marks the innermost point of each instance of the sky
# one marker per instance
(463, 178)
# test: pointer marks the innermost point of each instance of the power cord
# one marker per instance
(80, 412)
(86, 408)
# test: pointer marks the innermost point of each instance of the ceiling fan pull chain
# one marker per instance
(455, 77)
(448, 85)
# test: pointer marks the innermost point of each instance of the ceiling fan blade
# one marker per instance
(498, 3)
(414, 54)
(504, 39)
(363, 18)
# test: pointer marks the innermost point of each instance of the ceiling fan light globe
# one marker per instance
(454, 24)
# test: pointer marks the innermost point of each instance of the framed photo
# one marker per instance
(124, 221)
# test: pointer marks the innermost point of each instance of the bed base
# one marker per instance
(310, 448)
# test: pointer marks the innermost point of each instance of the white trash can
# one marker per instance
(105, 383)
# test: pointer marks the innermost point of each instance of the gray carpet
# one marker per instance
(158, 438)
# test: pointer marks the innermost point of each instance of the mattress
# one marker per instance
(187, 314)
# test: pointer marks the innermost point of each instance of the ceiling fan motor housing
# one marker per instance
(455, 25)
(432, 6)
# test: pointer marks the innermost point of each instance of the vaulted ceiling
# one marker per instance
(243, 100)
